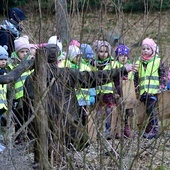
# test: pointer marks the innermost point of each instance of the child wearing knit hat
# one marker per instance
(122, 53)
(3, 87)
(105, 94)
(149, 80)
(22, 48)
(22, 51)
(74, 54)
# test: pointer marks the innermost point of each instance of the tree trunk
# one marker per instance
(62, 24)
(41, 116)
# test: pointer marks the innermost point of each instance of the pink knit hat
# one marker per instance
(75, 42)
(150, 42)
(22, 42)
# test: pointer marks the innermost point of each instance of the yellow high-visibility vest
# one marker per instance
(3, 99)
(149, 77)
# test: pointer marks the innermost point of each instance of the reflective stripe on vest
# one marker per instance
(3, 100)
(109, 87)
(149, 78)
(19, 91)
(83, 93)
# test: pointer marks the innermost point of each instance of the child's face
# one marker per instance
(103, 53)
(3, 63)
(122, 59)
(146, 50)
(23, 53)
(77, 59)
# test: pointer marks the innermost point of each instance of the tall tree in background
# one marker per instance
(62, 24)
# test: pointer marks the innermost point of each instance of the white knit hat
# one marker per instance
(22, 42)
(56, 40)
(73, 51)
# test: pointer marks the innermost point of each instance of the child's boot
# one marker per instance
(127, 128)
(127, 131)
(152, 129)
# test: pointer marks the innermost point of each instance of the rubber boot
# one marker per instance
(127, 128)
(152, 129)
(153, 133)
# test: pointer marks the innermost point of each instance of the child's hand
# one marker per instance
(130, 67)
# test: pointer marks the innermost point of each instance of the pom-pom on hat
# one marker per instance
(73, 51)
(56, 40)
(16, 14)
(3, 52)
(87, 51)
(122, 50)
(150, 42)
(22, 42)
(75, 42)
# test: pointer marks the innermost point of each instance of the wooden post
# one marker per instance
(41, 116)
(115, 121)
(130, 102)
(164, 107)
(92, 125)
(129, 95)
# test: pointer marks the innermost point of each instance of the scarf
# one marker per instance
(146, 58)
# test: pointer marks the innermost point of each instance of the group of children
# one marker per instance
(149, 79)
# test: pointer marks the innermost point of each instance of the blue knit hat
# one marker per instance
(3, 52)
(16, 14)
(87, 51)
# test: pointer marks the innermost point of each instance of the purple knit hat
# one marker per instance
(122, 50)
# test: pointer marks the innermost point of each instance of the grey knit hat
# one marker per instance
(3, 52)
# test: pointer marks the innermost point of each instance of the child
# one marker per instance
(3, 92)
(87, 56)
(122, 56)
(3, 87)
(33, 50)
(22, 50)
(82, 94)
(105, 94)
(150, 79)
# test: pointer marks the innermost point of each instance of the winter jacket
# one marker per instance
(8, 33)
(67, 79)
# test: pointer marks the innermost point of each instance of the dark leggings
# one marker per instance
(150, 103)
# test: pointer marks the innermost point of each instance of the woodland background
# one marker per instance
(88, 20)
